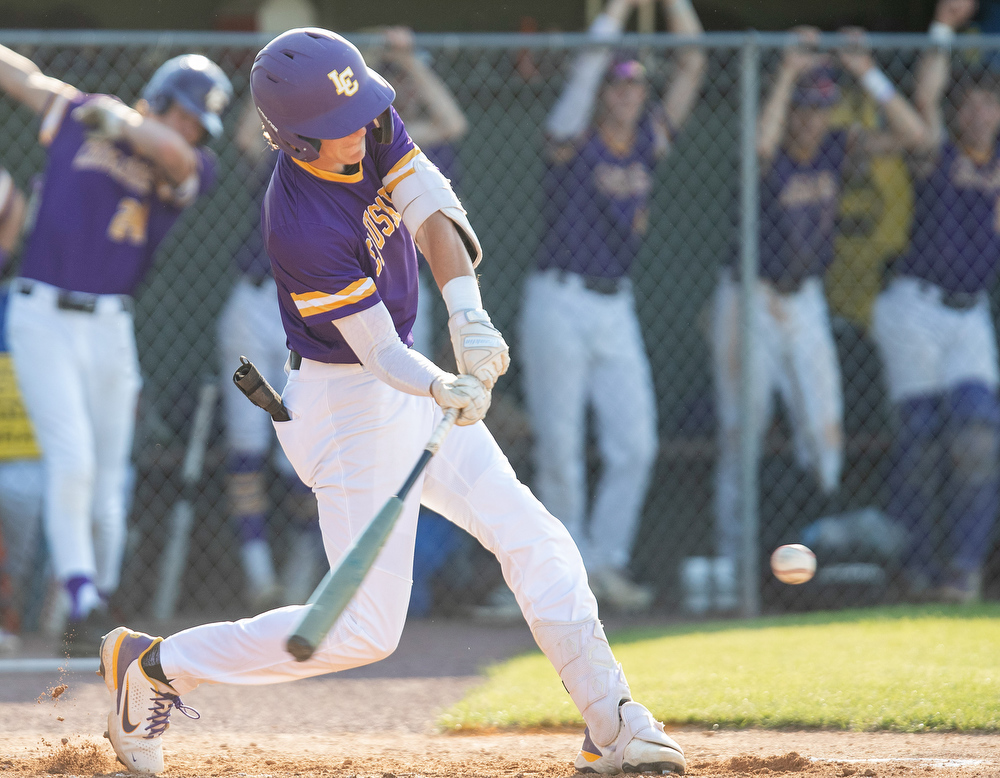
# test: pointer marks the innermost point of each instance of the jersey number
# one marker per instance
(128, 225)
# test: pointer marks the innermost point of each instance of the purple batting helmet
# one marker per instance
(196, 84)
(311, 84)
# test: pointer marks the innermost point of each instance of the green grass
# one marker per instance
(908, 669)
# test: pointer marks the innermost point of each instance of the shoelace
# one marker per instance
(159, 720)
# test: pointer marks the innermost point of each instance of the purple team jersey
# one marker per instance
(955, 241)
(103, 208)
(338, 246)
(596, 204)
(798, 212)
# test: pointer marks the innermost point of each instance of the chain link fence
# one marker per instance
(706, 209)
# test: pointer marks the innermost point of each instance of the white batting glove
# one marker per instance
(106, 117)
(480, 349)
(462, 391)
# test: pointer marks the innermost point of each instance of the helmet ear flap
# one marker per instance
(384, 130)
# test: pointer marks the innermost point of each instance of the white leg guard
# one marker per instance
(594, 679)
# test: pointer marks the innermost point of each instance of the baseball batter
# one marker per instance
(935, 331)
(581, 336)
(116, 180)
(349, 195)
(792, 352)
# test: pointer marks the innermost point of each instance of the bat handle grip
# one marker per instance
(442, 429)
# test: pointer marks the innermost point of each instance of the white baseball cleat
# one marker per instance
(641, 747)
(140, 705)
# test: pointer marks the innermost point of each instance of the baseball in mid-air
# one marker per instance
(793, 563)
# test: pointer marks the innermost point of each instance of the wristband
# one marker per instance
(462, 294)
(940, 33)
(878, 85)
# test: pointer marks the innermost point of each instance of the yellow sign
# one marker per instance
(17, 439)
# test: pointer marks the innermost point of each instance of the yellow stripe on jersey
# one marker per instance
(404, 161)
(401, 170)
(312, 303)
(343, 178)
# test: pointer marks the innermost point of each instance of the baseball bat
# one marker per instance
(182, 513)
(339, 585)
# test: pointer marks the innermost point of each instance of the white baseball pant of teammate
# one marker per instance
(79, 377)
(794, 355)
(928, 348)
(586, 348)
(250, 325)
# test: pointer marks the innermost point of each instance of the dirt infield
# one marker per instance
(377, 722)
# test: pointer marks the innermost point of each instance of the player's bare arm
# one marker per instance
(168, 139)
(934, 69)
(24, 81)
(573, 111)
(440, 119)
(907, 129)
(435, 217)
(12, 212)
(773, 117)
(681, 95)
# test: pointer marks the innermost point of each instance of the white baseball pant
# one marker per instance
(354, 439)
(580, 348)
(79, 377)
(928, 348)
(250, 326)
(793, 355)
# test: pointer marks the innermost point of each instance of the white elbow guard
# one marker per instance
(418, 189)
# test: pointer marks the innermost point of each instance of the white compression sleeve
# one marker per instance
(572, 112)
(372, 336)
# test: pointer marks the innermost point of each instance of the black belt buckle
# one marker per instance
(294, 360)
(76, 301)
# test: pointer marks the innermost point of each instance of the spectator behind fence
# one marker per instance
(802, 165)
(116, 181)
(873, 222)
(935, 332)
(580, 336)
(20, 459)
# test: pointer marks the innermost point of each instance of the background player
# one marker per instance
(581, 338)
(20, 465)
(802, 163)
(936, 335)
(117, 179)
(340, 218)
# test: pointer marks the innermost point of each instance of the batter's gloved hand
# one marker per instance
(462, 391)
(480, 349)
(106, 117)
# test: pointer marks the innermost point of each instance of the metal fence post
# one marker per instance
(749, 245)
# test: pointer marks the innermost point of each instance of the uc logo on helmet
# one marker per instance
(344, 81)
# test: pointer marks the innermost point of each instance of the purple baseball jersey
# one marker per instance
(955, 242)
(338, 246)
(798, 211)
(596, 203)
(103, 210)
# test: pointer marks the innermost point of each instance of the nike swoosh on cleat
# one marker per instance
(127, 725)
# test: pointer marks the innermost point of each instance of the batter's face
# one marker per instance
(978, 118)
(336, 153)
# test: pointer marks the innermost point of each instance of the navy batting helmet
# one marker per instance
(196, 84)
(311, 84)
